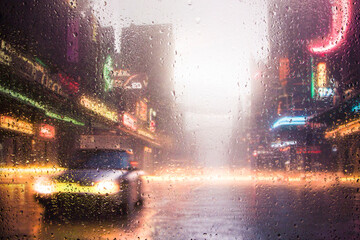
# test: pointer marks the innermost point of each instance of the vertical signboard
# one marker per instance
(284, 70)
(141, 110)
(107, 73)
(324, 89)
(72, 52)
(321, 75)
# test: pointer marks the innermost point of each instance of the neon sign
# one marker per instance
(321, 75)
(356, 108)
(33, 71)
(16, 125)
(39, 106)
(107, 73)
(325, 92)
(288, 121)
(99, 108)
(280, 144)
(341, 12)
(129, 121)
(308, 150)
(136, 81)
(152, 126)
(47, 131)
(71, 85)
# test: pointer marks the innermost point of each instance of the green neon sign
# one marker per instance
(312, 78)
(39, 106)
(107, 73)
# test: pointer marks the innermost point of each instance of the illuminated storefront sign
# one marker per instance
(99, 108)
(145, 133)
(30, 70)
(47, 131)
(344, 129)
(147, 149)
(40, 106)
(129, 121)
(284, 70)
(288, 121)
(321, 75)
(340, 21)
(107, 73)
(16, 125)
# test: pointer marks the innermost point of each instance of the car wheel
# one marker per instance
(128, 201)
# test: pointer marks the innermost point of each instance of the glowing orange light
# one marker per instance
(343, 130)
(16, 125)
(341, 11)
(47, 131)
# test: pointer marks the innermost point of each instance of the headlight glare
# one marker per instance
(44, 186)
(104, 187)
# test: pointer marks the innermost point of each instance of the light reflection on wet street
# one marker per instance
(201, 209)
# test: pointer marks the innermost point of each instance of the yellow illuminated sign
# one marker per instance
(343, 130)
(147, 149)
(16, 125)
(145, 134)
(99, 108)
(321, 75)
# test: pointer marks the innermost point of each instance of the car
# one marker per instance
(99, 180)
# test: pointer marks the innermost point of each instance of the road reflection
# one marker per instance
(201, 207)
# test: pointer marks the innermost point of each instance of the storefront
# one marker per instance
(342, 134)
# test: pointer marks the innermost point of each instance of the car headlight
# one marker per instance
(104, 187)
(44, 186)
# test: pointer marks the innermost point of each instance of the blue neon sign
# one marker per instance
(288, 121)
(356, 108)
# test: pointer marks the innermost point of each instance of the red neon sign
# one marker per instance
(308, 150)
(69, 83)
(152, 126)
(129, 121)
(341, 12)
(47, 131)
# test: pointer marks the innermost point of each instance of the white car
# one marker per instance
(100, 180)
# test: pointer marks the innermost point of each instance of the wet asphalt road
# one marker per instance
(207, 209)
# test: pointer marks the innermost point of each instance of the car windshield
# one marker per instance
(102, 160)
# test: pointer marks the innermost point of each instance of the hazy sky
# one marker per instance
(214, 40)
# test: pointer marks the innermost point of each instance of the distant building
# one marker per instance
(150, 49)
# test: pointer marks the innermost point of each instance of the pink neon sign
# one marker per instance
(341, 11)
